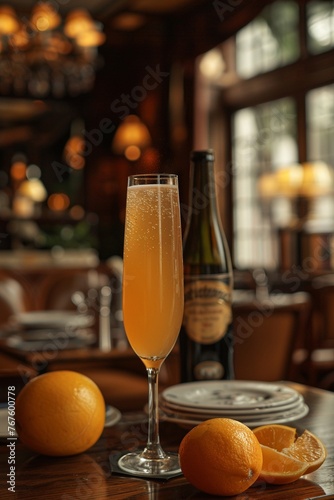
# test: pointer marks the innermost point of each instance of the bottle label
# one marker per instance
(207, 307)
(209, 370)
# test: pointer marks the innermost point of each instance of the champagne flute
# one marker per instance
(152, 298)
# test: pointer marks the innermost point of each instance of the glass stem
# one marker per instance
(153, 449)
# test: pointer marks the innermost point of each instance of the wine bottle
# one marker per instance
(206, 337)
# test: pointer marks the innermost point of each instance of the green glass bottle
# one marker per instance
(206, 337)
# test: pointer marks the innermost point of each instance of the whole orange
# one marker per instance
(221, 457)
(60, 413)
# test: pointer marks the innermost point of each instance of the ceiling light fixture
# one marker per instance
(131, 138)
(44, 55)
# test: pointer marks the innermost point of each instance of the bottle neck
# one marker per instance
(202, 195)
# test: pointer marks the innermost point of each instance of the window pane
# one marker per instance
(264, 140)
(270, 41)
(320, 133)
(320, 124)
(320, 26)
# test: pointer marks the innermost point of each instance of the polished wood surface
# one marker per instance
(12, 373)
(89, 475)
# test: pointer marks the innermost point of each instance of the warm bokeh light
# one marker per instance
(73, 152)
(77, 212)
(59, 56)
(91, 38)
(44, 17)
(18, 170)
(9, 23)
(20, 39)
(304, 180)
(58, 202)
(33, 189)
(132, 153)
(318, 179)
(212, 64)
(131, 138)
(128, 21)
(78, 21)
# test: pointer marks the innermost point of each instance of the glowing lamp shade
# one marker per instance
(78, 21)
(267, 185)
(90, 38)
(9, 23)
(44, 17)
(288, 180)
(131, 137)
(212, 64)
(60, 56)
(308, 180)
(317, 179)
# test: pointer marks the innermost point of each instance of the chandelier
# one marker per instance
(44, 55)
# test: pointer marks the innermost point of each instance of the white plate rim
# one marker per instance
(303, 411)
(51, 318)
(234, 411)
(176, 394)
(82, 339)
(113, 416)
(249, 418)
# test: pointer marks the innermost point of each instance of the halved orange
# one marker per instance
(276, 436)
(278, 468)
(309, 449)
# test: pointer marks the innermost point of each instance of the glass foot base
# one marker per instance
(138, 465)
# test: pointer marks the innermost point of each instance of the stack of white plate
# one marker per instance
(52, 319)
(37, 330)
(253, 403)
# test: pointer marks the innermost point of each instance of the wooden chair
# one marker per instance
(266, 333)
(122, 379)
(56, 289)
(320, 363)
(15, 296)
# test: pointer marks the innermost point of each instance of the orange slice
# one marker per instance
(276, 436)
(307, 448)
(278, 468)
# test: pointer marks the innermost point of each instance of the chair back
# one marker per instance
(56, 291)
(266, 334)
(323, 311)
(14, 296)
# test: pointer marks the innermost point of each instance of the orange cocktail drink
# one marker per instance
(153, 271)
(152, 299)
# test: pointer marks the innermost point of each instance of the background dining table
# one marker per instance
(91, 475)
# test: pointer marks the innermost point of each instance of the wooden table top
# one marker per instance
(88, 476)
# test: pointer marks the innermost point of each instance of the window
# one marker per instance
(320, 123)
(276, 106)
(320, 134)
(263, 136)
(270, 41)
(320, 26)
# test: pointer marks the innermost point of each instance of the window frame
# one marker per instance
(294, 80)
